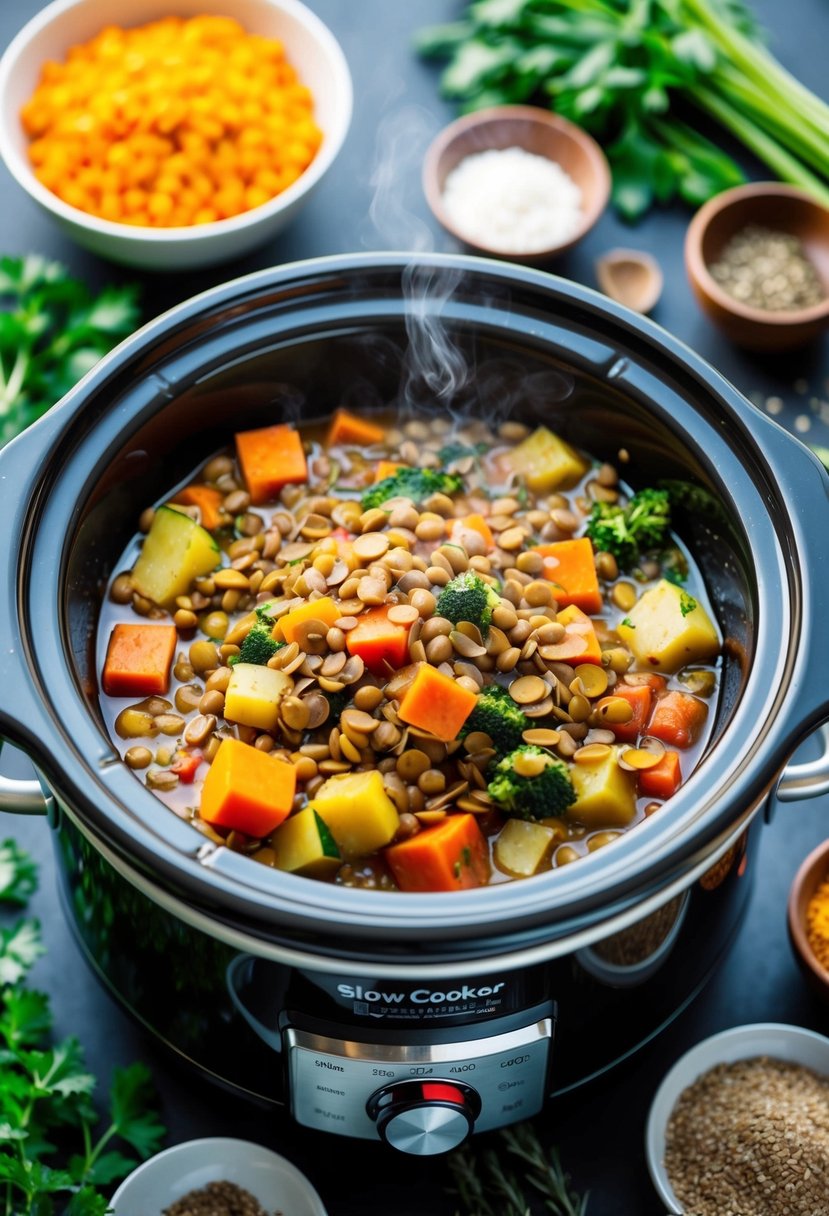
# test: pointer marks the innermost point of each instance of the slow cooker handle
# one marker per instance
(23, 720)
(807, 780)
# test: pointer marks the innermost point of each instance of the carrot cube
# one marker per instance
(640, 699)
(138, 660)
(247, 790)
(436, 703)
(348, 428)
(663, 779)
(387, 468)
(579, 644)
(678, 719)
(381, 644)
(570, 566)
(207, 499)
(474, 523)
(451, 856)
(270, 458)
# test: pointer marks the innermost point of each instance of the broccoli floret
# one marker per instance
(498, 716)
(258, 646)
(416, 484)
(468, 598)
(548, 793)
(629, 531)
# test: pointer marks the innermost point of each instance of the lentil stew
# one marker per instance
(410, 655)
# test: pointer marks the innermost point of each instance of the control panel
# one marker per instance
(421, 1097)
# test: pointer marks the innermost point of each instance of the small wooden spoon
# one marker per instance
(630, 277)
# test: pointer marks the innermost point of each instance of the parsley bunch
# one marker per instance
(52, 331)
(53, 1154)
(618, 69)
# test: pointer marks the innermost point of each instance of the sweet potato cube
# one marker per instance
(435, 702)
(678, 719)
(324, 609)
(247, 790)
(357, 811)
(579, 644)
(605, 793)
(138, 660)
(667, 628)
(270, 457)
(570, 565)
(349, 428)
(380, 643)
(451, 856)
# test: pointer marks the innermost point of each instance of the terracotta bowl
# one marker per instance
(537, 131)
(811, 874)
(770, 205)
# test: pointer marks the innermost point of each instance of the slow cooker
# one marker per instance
(409, 1018)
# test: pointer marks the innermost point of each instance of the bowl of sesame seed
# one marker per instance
(741, 1124)
(757, 259)
(216, 1176)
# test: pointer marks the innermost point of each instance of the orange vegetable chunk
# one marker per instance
(678, 719)
(436, 703)
(579, 644)
(207, 499)
(663, 780)
(380, 643)
(138, 660)
(348, 428)
(247, 790)
(387, 468)
(324, 609)
(451, 856)
(270, 458)
(474, 523)
(640, 699)
(570, 565)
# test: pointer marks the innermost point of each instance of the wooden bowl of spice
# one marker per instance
(516, 182)
(757, 258)
(741, 1124)
(808, 918)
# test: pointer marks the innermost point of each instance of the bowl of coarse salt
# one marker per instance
(516, 182)
(741, 1124)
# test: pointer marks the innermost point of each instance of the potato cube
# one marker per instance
(357, 811)
(522, 846)
(667, 628)
(304, 845)
(605, 793)
(547, 462)
(175, 551)
(253, 695)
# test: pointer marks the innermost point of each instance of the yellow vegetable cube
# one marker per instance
(522, 846)
(546, 462)
(605, 793)
(357, 811)
(304, 845)
(176, 550)
(668, 628)
(253, 695)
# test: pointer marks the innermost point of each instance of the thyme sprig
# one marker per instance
(490, 1181)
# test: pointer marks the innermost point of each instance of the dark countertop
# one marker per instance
(600, 1133)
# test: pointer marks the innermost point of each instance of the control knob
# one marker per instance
(424, 1117)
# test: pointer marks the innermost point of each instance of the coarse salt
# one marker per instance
(512, 200)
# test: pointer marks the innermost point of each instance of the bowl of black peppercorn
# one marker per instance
(216, 1176)
(757, 258)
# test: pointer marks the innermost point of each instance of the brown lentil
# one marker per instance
(216, 1199)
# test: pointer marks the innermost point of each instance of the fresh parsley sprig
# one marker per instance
(53, 1154)
(52, 331)
(618, 68)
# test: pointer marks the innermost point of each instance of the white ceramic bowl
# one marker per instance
(310, 47)
(166, 1177)
(772, 1039)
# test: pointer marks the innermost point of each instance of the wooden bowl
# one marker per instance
(810, 875)
(769, 205)
(534, 130)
